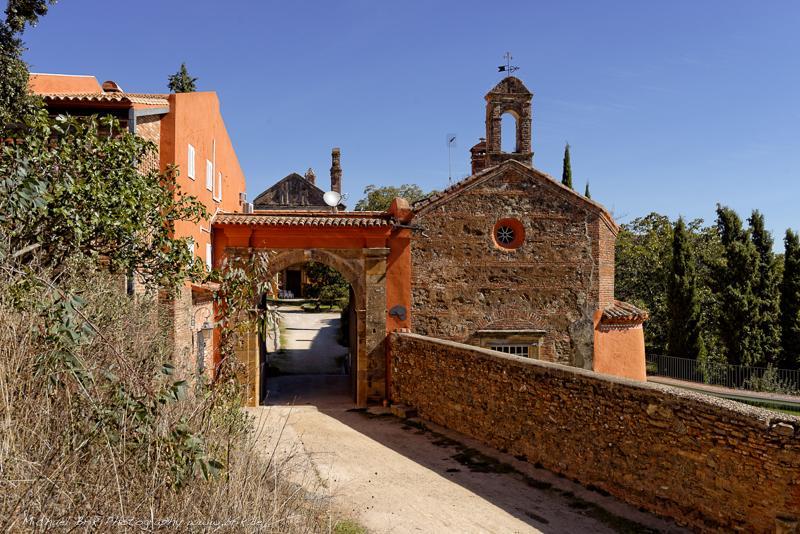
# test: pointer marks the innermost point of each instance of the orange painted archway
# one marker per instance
(372, 250)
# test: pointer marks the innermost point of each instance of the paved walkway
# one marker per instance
(399, 476)
(310, 343)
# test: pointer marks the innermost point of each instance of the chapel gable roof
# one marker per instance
(442, 197)
(509, 85)
(291, 192)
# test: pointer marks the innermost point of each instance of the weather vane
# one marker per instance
(508, 67)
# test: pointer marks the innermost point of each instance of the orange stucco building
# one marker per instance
(188, 131)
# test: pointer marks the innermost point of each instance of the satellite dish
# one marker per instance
(332, 198)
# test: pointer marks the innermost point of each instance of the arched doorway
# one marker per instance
(371, 250)
(316, 348)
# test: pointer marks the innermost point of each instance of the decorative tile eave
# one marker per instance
(330, 220)
(623, 313)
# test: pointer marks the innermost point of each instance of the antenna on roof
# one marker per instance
(451, 144)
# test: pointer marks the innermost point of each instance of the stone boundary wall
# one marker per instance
(711, 464)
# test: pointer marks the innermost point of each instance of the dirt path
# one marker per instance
(311, 345)
(405, 476)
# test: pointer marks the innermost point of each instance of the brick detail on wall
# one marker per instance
(604, 259)
(712, 464)
(149, 127)
(183, 315)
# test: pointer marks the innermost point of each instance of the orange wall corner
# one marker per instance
(195, 119)
(619, 349)
(398, 280)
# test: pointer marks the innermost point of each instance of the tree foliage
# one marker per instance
(181, 81)
(15, 100)
(326, 285)
(22, 12)
(72, 185)
(566, 171)
(586, 192)
(684, 337)
(790, 303)
(643, 267)
(736, 277)
(766, 292)
(642, 262)
(380, 198)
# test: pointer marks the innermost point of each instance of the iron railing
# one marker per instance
(725, 375)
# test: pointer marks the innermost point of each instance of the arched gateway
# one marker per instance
(370, 249)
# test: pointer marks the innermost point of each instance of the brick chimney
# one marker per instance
(110, 86)
(336, 171)
(311, 176)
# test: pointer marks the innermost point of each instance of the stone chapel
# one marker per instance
(511, 259)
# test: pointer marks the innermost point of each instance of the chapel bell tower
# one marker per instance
(512, 97)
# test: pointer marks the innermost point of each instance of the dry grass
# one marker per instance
(94, 436)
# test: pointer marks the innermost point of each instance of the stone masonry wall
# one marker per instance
(711, 464)
(462, 281)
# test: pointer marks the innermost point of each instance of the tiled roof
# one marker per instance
(352, 219)
(623, 312)
(132, 98)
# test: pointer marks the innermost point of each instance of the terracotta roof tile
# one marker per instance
(327, 219)
(623, 312)
(132, 98)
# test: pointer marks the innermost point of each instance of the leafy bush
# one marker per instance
(771, 382)
(71, 185)
(96, 423)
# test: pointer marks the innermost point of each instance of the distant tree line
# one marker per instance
(715, 293)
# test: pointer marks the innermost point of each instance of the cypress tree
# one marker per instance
(586, 191)
(790, 304)
(735, 277)
(566, 173)
(684, 337)
(766, 292)
(181, 82)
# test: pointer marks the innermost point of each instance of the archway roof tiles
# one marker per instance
(125, 98)
(351, 219)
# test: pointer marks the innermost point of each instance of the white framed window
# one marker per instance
(209, 175)
(190, 163)
(517, 350)
(209, 257)
(191, 247)
(218, 188)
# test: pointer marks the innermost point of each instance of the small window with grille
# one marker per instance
(516, 350)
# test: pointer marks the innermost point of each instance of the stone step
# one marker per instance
(404, 411)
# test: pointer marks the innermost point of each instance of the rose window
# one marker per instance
(505, 235)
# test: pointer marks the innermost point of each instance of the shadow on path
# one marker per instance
(410, 472)
(311, 343)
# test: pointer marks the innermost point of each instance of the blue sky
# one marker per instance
(668, 106)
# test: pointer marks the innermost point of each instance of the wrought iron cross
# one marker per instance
(508, 67)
